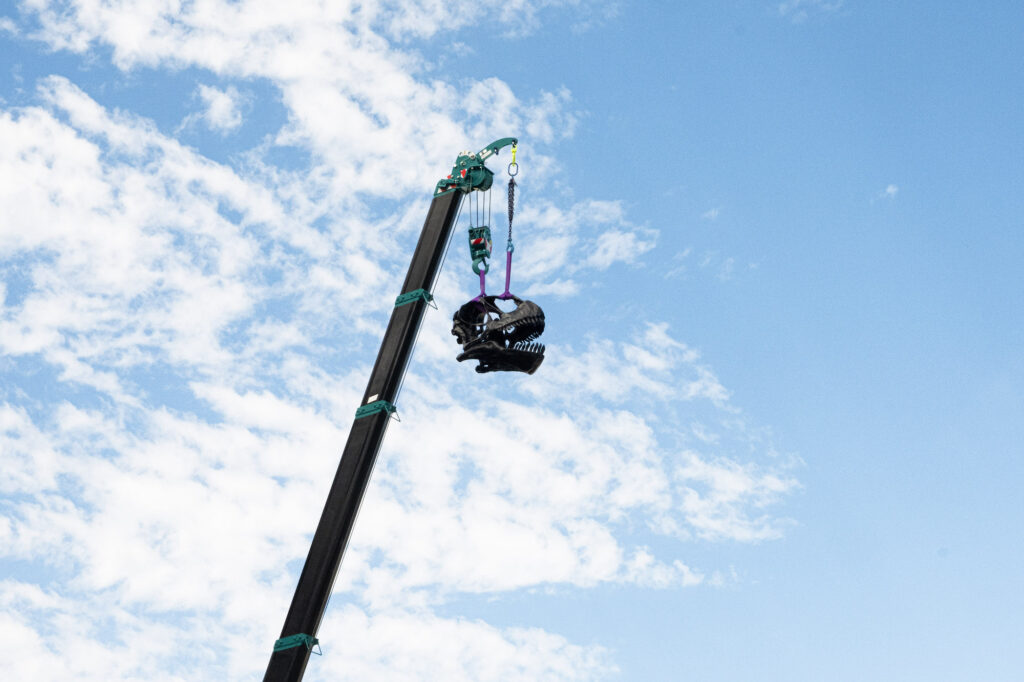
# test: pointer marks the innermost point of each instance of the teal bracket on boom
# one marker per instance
(300, 639)
(375, 407)
(470, 173)
(414, 295)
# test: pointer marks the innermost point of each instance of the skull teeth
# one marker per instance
(524, 347)
(526, 329)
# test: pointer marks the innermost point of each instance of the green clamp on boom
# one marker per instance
(300, 639)
(375, 407)
(413, 296)
(469, 172)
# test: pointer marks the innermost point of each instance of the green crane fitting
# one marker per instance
(469, 172)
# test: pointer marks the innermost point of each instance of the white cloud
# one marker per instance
(652, 364)
(710, 214)
(89, 640)
(589, 235)
(223, 110)
(717, 493)
(889, 192)
(422, 647)
(549, 118)
(106, 237)
(31, 464)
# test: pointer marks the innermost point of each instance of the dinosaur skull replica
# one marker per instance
(501, 341)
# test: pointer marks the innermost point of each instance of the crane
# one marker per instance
(500, 340)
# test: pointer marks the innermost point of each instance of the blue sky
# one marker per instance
(778, 432)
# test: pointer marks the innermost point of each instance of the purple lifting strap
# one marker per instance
(508, 280)
(508, 276)
(483, 285)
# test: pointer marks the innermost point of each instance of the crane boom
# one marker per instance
(292, 650)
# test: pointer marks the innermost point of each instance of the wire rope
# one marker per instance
(433, 285)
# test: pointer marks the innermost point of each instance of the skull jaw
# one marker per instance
(494, 357)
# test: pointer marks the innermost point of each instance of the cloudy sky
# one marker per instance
(778, 433)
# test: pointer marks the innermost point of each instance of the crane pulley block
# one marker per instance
(480, 247)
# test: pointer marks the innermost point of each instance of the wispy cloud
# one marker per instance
(710, 214)
(652, 363)
(726, 269)
(589, 236)
(888, 194)
(799, 10)
(222, 108)
(713, 489)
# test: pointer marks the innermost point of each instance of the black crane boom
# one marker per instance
(292, 650)
(360, 453)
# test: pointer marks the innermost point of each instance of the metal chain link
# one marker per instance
(511, 205)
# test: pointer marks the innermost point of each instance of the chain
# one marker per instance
(513, 171)
(511, 205)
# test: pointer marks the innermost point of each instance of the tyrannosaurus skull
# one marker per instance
(501, 341)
